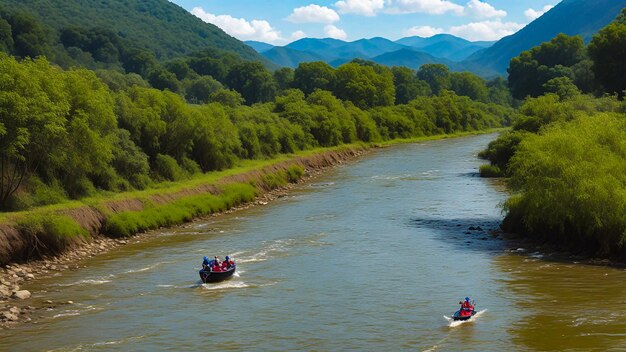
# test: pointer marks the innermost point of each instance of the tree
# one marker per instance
(252, 81)
(179, 67)
(284, 78)
(226, 97)
(201, 88)
(564, 87)
(608, 52)
(408, 86)
(363, 86)
(533, 68)
(6, 36)
(30, 38)
(161, 78)
(469, 85)
(208, 66)
(310, 76)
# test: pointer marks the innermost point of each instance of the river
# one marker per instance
(369, 257)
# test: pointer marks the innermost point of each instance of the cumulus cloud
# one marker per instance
(313, 14)
(423, 31)
(240, 28)
(333, 32)
(485, 30)
(360, 7)
(532, 14)
(433, 7)
(297, 35)
(481, 9)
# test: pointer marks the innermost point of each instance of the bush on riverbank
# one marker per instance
(571, 180)
(50, 233)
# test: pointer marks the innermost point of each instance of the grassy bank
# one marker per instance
(49, 230)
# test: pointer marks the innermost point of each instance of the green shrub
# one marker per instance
(167, 168)
(488, 170)
(294, 173)
(51, 233)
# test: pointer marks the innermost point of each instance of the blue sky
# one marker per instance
(282, 21)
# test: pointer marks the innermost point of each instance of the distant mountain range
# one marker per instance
(411, 51)
(572, 17)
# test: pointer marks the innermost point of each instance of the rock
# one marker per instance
(478, 228)
(23, 294)
(70, 302)
(30, 277)
(48, 301)
(4, 291)
(472, 228)
(10, 317)
(15, 310)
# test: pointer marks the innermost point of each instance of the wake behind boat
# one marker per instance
(216, 271)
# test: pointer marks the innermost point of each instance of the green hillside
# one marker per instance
(572, 17)
(156, 25)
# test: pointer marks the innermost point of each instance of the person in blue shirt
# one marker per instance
(206, 264)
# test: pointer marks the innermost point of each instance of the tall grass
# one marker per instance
(183, 210)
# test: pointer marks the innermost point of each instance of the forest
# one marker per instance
(86, 112)
(565, 155)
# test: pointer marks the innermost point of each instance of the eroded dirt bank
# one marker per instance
(25, 257)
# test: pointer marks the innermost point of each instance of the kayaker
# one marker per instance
(466, 307)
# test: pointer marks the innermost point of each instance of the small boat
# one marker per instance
(463, 315)
(208, 276)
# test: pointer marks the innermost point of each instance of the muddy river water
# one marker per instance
(369, 257)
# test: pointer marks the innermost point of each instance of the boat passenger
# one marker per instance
(228, 263)
(216, 269)
(205, 263)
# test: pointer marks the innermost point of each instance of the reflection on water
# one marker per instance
(373, 256)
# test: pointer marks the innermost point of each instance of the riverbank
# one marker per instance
(271, 180)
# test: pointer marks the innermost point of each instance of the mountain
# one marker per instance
(365, 48)
(288, 57)
(316, 45)
(258, 46)
(572, 17)
(445, 46)
(410, 58)
(160, 26)
(337, 52)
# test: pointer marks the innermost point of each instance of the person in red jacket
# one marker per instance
(466, 307)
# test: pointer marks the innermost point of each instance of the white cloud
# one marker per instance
(434, 7)
(333, 32)
(423, 31)
(313, 14)
(485, 30)
(360, 7)
(534, 14)
(481, 9)
(297, 35)
(240, 28)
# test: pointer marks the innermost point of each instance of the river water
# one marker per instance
(370, 257)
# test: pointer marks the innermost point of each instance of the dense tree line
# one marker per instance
(565, 155)
(70, 133)
(565, 66)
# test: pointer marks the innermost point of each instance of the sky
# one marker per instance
(280, 22)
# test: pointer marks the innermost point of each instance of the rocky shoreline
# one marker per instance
(16, 306)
